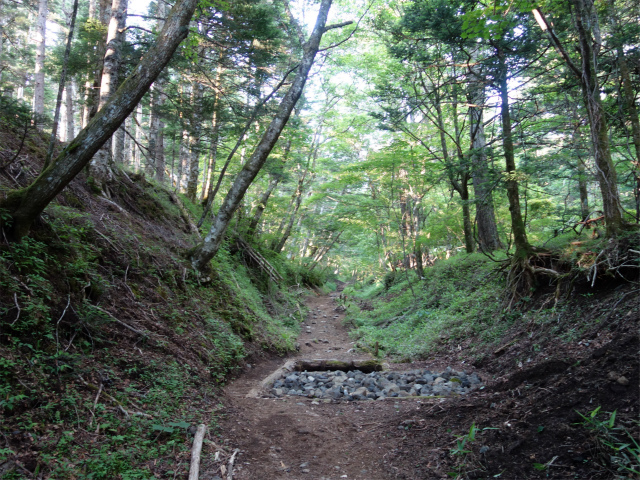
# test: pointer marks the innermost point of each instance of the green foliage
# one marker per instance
(458, 296)
(616, 445)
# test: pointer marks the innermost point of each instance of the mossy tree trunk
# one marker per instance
(605, 171)
(25, 205)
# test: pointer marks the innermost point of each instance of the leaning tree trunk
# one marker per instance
(202, 255)
(287, 232)
(25, 205)
(262, 203)
(488, 238)
(517, 223)
(101, 167)
(41, 33)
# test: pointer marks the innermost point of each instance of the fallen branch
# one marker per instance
(15, 299)
(503, 348)
(95, 403)
(118, 403)
(186, 217)
(120, 322)
(231, 462)
(194, 469)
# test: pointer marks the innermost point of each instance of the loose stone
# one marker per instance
(356, 385)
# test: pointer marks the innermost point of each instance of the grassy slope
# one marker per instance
(463, 299)
(554, 362)
(101, 315)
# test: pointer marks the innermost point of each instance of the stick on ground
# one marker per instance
(194, 469)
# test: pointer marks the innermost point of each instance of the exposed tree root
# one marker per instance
(619, 259)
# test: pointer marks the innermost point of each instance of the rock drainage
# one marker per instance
(357, 385)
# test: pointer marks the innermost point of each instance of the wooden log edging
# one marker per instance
(320, 365)
(316, 365)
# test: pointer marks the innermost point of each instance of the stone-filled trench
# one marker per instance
(357, 385)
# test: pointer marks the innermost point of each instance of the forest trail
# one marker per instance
(299, 438)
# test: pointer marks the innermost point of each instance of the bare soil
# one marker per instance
(526, 415)
(297, 438)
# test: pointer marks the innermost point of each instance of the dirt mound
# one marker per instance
(529, 423)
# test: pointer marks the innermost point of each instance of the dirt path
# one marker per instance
(297, 438)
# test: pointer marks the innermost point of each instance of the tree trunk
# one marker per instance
(463, 167)
(605, 170)
(26, 204)
(69, 132)
(194, 142)
(517, 223)
(41, 32)
(63, 79)
(285, 236)
(632, 112)
(137, 161)
(156, 147)
(262, 203)
(99, 12)
(118, 146)
(206, 251)
(4, 93)
(207, 187)
(101, 167)
(488, 239)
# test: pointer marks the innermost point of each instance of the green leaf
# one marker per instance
(180, 424)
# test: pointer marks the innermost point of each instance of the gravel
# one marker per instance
(356, 385)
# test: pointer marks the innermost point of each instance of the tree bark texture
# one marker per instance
(26, 204)
(517, 223)
(206, 251)
(194, 141)
(605, 170)
(101, 167)
(41, 32)
(70, 128)
(488, 238)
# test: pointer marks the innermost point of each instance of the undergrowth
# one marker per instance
(111, 350)
(463, 297)
(456, 296)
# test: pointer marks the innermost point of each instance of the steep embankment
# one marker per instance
(110, 349)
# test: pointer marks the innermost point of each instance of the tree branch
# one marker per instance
(544, 25)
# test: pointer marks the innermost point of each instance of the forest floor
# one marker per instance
(525, 416)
